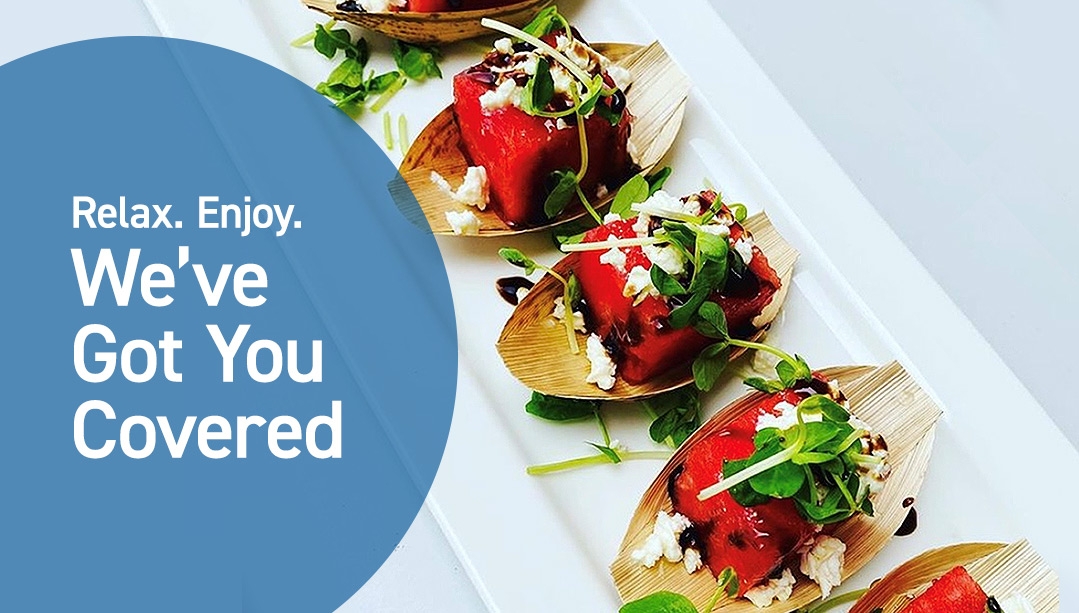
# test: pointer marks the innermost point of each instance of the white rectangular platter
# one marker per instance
(544, 544)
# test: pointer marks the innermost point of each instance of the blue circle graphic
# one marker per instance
(333, 319)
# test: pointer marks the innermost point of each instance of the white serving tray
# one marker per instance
(543, 544)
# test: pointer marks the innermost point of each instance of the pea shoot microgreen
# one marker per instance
(636, 190)
(350, 85)
(557, 409)
(571, 290)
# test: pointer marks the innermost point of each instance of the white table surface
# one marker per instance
(927, 106)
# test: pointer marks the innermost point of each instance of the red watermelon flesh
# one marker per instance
(646, 343)
(520, 151)
(754, 541)
(955, 592)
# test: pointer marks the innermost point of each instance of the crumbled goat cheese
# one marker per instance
(382, 6)
(579, 53)
(622, 77)
(508, 93)
(563, 80)
(504, 45)
(561, 124)
(744, 247)
(663, 542)
(661, 202)
(463, 222)
(615, 257)
(873, 474)
(776, 589)
(822, 561)
(666, 257)
(601, 193)
(559, 313)
(611, 217)
(521, 293)
(787, 417)
(473, 190)
(549, 125)
(642, 225)
(639, 283)
(1015, 603)
(530, 63)
(602, 366)
(716, 229)
(691, 559)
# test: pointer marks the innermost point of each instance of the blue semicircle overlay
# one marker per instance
(330, 321)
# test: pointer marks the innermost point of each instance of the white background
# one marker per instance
(955, 119)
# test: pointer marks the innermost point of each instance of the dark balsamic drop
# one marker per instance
(507, 288)
(910, 524)
(349, 6)
(908, 503)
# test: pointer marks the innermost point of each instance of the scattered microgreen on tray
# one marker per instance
(350, 85)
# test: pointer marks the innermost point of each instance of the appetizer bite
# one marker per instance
(663, 293)
(544, 115)
(544, 129)
(781, 496)
(428, 21)
(967, 578)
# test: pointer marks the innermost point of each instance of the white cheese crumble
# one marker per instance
(691, 559)
(601, 193)
(521, 293)
(787, 417)
(602, 366)
(463, 222)
(663, 542)
(508, 93)
(473, 191)
(776, 589)
(382, 6)
(716, 229)
(822, 561)
(639, 284)
(563, 80)
(1015, 603)
(615, 257)
(622, 77)
(611, 217)
(744, 247)
(666, 257)
(661, 202)
(559, 313)
(504, 45)
(641, 226)
(561, 124)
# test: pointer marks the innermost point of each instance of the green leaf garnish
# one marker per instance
(518, 259)
(660, 602)
(611, 454)
(545, 22)
(564, 187)
(553, 408)
(633, 191)
(328, 42)
(709, 364)
(675, 415)
(539, 91)
(416, 61)
(657, 179)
